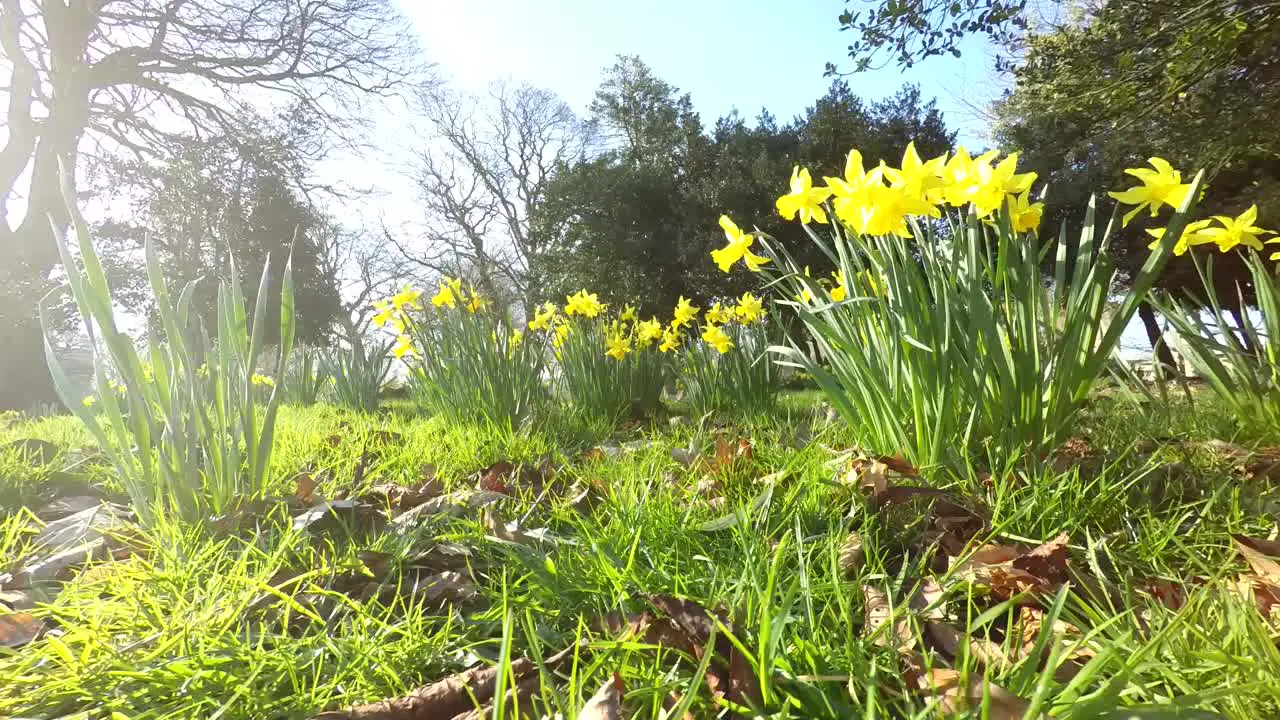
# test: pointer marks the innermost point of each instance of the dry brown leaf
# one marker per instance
(1265, 594)
(18, 629)
(852, 555)
(877, 614)
(1263, 556)
(1008, 571)
(954, 695)
(606, 704)
(451, 696)
(518, 702)
(1047, 562)
(305, 488)
(494, 478)
(731, 673)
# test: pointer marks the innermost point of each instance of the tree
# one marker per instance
(637, 222)
(225, 197)
(913, 31)
(485, 174)
(86, 79)
(1132, 79)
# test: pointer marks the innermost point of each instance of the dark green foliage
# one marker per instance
(637, 222)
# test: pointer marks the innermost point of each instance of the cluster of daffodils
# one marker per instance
(627, 333)
(392, 314)
(1161, 185)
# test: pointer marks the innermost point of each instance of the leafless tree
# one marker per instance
(482, 178)
(81, 79)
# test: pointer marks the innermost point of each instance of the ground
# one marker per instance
(846, 592)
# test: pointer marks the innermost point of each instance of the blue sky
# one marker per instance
(746, 54)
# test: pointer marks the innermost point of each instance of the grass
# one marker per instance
(188, 625)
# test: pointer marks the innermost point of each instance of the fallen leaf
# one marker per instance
(442, 699)
(494, 478)
(606, 704)
(878, 613)
(731, 673)
(350, 515)
(68, 505)
(444, 588)
(305, 485)
(1047, 562)
(18, 629)
(851, 555)
(454, 504)
(954, 694)
(1263, 556)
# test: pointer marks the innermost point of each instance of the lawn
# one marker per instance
(709, 566)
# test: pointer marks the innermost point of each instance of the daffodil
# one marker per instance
(1161, 186)
(716, 337)
(684, 314)
(962, 176)
(839, 291)
(89, 400)
(262, 380)
(994, 184)
(806, 295)
(516, 337)
(918, 178)
(543, 316)
(671, 338)
(403, 346)
(739, 248)
(388, 314)
(850, 193)
(447, 296)
(887, 211)
(718, 314)
(1025, 215)
(648, 331)
(407, 297)
(583, 303)
(477, 302)
(749, 308)
(804, 200)
(1192, 234)
(561, 333)
(1238, 230)
(617, 345)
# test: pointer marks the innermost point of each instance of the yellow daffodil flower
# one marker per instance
(684, 314)
(718, 314)
(617, 346)
(850, 193)
(388, 314)
(403, 346)
(806, 295)
(450, 289)
(516, 337)
(887, 211)
(917, 178)
(962, 176)
(407, 297)
(648, 331)
(543, 316)
(583, 303)
(1025, 216)
(739, 248)
(749, 309)
(804, 200)
(262, 380)
(1192, 234)
(996, 183)
(1161, 186)
(562, 330)
(477, 302)
(628, 314)
(89, 400)
(716, 337)
(671, 338)
(1239, 230)
(840, 291)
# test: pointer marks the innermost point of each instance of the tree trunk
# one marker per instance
(1160, 351)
